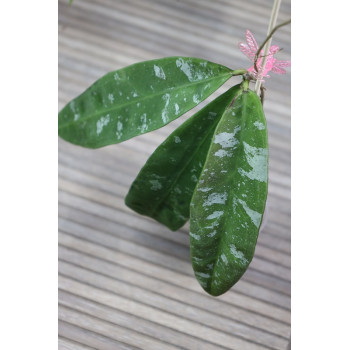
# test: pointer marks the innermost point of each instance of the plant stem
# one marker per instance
(265, 41)
(272, 24)
(239, 72)
(245, 84)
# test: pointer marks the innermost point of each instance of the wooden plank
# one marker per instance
(168, 306)
(173, 276)
(179, 292)
(128, 320)
(113, 331)
(66, 344)
(136, 308)
(79, 336)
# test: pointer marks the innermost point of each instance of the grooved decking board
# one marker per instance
(125, 281)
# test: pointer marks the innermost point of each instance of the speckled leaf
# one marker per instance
(138, 99)
(164, 187)
(229, 201)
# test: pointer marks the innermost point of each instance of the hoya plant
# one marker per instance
(212, 170)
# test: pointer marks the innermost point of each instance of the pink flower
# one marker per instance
(272, 63)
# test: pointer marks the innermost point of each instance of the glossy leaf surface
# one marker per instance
(164, 187)
(229, 201)
(138, 99)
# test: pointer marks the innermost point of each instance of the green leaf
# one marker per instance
(138, 99)
(229, 200)
(164, 187)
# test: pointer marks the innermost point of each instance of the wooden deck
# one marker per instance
(126, 282)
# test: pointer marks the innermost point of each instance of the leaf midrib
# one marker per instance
(136, 100)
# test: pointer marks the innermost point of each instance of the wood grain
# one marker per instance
(126, 282)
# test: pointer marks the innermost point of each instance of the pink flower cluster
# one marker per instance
(272, 64)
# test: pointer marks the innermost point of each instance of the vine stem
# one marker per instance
(272, 24)
(267, 38)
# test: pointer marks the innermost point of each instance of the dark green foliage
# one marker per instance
(164, 187)
(229, 200)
